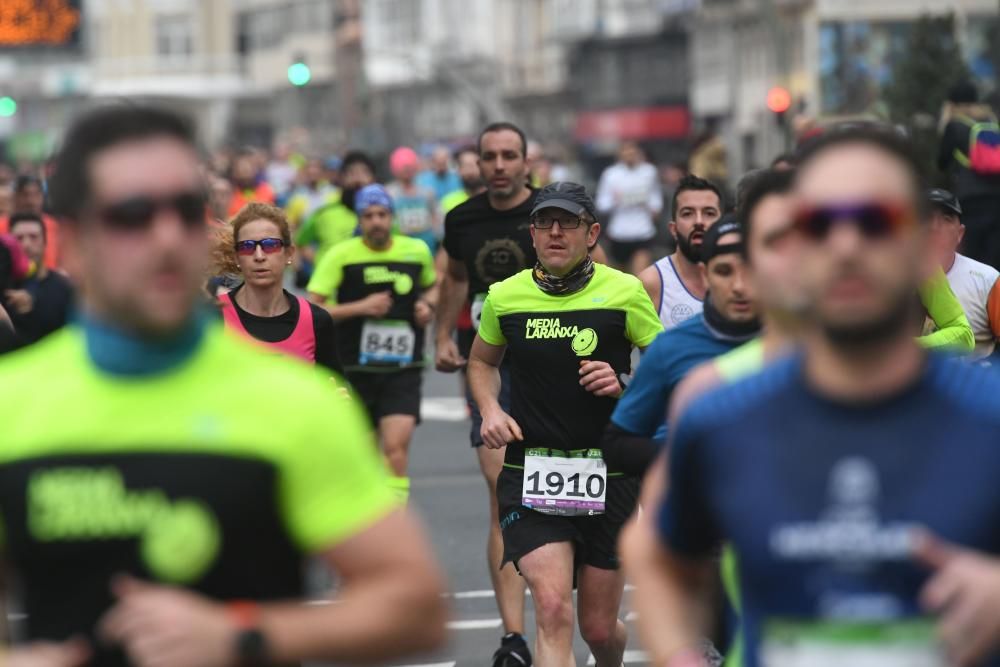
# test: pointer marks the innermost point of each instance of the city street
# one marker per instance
(449, 493)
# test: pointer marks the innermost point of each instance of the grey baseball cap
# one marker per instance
(570, 197)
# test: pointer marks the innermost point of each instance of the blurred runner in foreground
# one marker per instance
(162, 516)
(862, 495)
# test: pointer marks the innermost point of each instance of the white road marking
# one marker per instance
(465, 595)
(434, 664)
(629, 657)
(475, 624)
(444, 409)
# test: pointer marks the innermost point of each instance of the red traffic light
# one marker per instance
(779, 100)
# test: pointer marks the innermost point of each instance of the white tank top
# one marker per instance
(677, 304)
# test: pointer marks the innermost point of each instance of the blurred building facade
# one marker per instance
(833, 56)
(583, 74)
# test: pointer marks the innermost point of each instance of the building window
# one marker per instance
(400, 22)
(174, 36)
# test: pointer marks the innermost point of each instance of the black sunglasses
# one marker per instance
(137, 213)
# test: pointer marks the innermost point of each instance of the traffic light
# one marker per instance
(299, 73)
(779, 100)
(8, 106)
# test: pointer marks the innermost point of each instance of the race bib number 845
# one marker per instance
(564, 486)
(387, 342)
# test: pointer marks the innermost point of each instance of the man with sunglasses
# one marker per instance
(975, 284)
(848, 454)
(160, 495)
(380, 290)
(570, 327)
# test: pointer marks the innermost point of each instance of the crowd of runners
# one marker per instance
(783, 433)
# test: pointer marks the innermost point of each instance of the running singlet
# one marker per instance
(819, 500)
(677, 304)
(415, 212)
(352, 271)
(975, 284)
(305, 330)
(643, 407)
(548, 336)
(194, 476)
(300, 343)
(494, 245)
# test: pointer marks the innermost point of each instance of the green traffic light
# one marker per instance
(299, 74)
(8, 107)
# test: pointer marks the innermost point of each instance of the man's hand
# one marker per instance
(159, 626)
(498, 429)
(19, 301)
(376, 305)
(422, 313)
(70, 653)
(446, 357)
(599, 378)
(964, 592)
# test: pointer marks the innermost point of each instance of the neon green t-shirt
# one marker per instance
(218, 475)
(351, 271)
(548, 336)
(326, 227)
(453, 199)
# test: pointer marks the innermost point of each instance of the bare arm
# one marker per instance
(373, 305)
(451, 297)
(484, 374)
(498, 427)
(390, 605)
(650, 278)
(669, 594)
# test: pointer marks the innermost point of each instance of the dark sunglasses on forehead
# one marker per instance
(546, 222)
(137, 213)
(269, 245)
(875, 220)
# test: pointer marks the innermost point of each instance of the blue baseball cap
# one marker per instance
(372, 195)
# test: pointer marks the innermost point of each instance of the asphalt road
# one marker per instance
(449, 493)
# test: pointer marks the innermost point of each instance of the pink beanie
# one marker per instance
(401, 158)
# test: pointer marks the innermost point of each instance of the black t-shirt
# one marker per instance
(494, 245)
(278, 328)
(53, 299)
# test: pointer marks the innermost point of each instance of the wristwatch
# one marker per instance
(251, 649)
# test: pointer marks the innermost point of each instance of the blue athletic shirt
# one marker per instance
(819, 499)
(642, 409)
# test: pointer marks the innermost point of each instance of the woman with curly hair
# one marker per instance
(257, 245)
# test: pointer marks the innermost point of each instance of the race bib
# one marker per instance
(634, 197)
(477, 310)
(865, 644)
(386, 342)
(564, 485)
(413, 220)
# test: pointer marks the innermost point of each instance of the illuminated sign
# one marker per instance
(39, 23)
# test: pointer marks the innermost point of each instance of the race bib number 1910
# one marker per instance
(564, 486)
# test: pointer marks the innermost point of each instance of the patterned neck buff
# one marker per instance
(572, 282)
